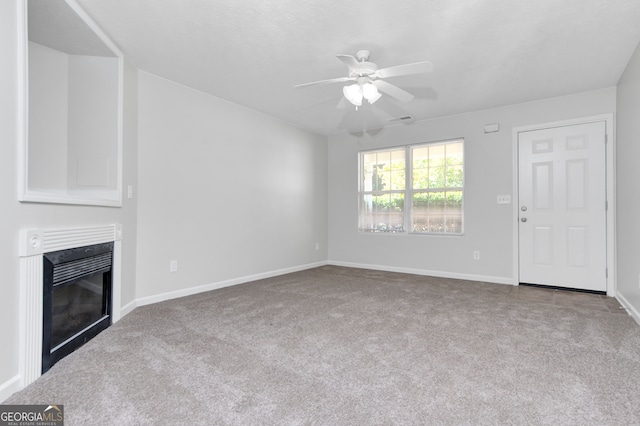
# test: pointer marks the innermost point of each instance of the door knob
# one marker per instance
(523, 208)
(524, 219)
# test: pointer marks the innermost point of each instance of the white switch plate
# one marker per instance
(504, 199)
(130, 191)
(173, 266)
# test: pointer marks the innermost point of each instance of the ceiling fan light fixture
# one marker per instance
(370, 92)
(375, 98)
(353, 93)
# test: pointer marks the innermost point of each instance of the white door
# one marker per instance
(562, 213)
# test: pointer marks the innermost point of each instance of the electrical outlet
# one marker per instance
(317, 246)
(173, 266)
(476, 255)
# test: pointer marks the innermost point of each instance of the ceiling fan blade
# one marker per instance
(342, 104)
(348, 60)
(331, 80)
(393, 91)
(415, 68)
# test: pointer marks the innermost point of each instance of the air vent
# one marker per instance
(404, 118)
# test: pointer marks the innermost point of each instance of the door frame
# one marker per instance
(609, 185)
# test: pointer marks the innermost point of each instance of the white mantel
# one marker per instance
(33, 244)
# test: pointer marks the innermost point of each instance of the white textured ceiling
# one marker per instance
(486, 53)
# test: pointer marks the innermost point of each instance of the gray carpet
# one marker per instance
(342, 346)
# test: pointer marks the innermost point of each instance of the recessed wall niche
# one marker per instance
(73, 89)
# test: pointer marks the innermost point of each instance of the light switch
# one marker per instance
(130, 191)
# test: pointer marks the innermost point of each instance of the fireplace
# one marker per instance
(76, 299)
(35, 244)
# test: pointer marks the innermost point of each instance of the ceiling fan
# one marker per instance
(369, 79)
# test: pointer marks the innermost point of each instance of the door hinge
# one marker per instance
(606, 273)
(606, 206)
(606, 138)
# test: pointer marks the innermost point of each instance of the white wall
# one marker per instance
(16, 215)
(73, 106)
(93, 124)
(227, 192)
(627, 178)
(48, 117)
(488, 172)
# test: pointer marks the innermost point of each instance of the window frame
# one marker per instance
(408, 191)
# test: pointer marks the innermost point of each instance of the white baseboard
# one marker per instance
(10, 387)
(221, 284)
(440, 274)
(633, 312)
(128, 308)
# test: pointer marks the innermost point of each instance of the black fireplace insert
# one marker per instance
(76, 299)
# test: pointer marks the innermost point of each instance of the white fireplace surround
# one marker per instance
(33, 244)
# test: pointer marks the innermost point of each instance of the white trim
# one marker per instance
(633, 312)
(9, 387)
(221, 284)
(128, 308)
(30, 325)
(23, 97)
(116, 282)
(431, 273)
(608, 119)
(94, 27)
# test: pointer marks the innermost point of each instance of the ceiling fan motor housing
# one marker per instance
(363, 67)
(363, 55)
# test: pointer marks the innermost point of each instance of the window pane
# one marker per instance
(453, 202)
(436, 177)
(383, 213)
(385, 176)
(383, 171)
(420, 212)
(384, 158)
(420, 157)
(397, 159)
(436, 155)
(420, 172)
(368, 161)
(454, 153)
(436, 212)
(377, 179)
(398, 180)
(431, 212)
(454, 176)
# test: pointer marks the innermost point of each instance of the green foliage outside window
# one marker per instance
(431, 174)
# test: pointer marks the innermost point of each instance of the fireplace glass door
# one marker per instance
(76, 299)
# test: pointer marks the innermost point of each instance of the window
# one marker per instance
(420, 185)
